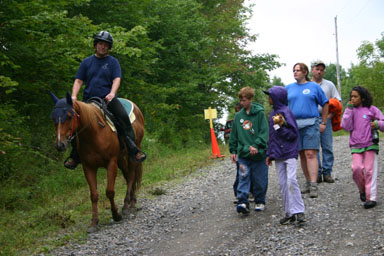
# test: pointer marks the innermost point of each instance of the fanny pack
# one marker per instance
(302, 123)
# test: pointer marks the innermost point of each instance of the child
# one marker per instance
(248, 144)
(360, 118)
(283, 146)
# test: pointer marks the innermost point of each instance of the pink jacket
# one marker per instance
(357, 120)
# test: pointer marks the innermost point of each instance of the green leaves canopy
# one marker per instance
(178, 58)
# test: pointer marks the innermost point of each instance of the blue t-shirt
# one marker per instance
(303, 99)
(98, 75)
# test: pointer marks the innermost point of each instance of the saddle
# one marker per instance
(110, 119)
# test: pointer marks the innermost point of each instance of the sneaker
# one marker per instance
(313, 191)
(369, 204)
(242, 208)
(259, 207)
(288, 219)
(306, 188)
(300, 217)
(319, 179)
(328, 178)
(71, 163)
(362, 197)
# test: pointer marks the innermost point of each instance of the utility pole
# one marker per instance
(337, 60)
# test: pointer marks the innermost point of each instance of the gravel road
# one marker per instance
(197, 217)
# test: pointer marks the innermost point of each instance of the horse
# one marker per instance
(98, 146)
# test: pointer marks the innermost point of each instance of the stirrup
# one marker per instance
(70, 166)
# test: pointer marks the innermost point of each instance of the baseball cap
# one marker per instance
(318, 63)
(266, 92)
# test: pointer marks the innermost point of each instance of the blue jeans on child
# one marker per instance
(325, 166)
(255, 172)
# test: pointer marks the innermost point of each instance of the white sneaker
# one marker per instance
(259, 207)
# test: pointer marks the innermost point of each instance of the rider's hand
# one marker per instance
(110, 97)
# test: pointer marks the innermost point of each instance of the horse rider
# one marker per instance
(101, 74)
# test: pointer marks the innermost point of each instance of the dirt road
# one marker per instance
(197, 216)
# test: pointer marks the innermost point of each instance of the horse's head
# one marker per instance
(66, 120)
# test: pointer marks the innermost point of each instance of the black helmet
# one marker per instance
(103, 36)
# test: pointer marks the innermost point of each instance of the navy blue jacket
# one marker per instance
(284, 142)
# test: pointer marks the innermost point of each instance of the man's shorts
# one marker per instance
(309, 137)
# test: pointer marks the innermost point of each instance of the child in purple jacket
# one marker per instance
(283, 148)
(361, 119)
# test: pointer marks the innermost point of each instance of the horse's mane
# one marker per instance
(88, 112)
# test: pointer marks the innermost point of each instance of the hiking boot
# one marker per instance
(140, 157)
(362, 197)
(71, 163)
(259, 207)
(319, 179)
(313, 191)
(306, 188)
(328, 178)
(369, 204)
(242, 208)
(287, 219)
(300, 217)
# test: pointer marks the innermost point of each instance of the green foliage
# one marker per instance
(369, 72)
(277, 81)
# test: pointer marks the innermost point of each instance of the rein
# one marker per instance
(75, 124)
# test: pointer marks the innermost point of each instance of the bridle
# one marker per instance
(75, 123)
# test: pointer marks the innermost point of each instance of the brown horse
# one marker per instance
(98, 146)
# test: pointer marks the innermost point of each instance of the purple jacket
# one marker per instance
(357, 120)
(284, 142)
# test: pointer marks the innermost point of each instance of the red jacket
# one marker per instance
(336, 108)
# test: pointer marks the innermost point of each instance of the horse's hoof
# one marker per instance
(117, 217)
(92, 229)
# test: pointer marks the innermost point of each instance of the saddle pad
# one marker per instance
(107, 119)
(128, 105)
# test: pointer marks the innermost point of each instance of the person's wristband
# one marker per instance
(323, 123)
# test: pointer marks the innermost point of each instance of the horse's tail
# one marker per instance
(138, 175)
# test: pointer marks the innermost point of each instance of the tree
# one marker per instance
(277, 81)
(369, 72)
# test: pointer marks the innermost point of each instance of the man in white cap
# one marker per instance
(326, 163)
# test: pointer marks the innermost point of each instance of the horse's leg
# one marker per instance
(129, 175)
(137, 167)
(111, 177)
(90, 175)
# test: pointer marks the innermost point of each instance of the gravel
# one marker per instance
(197, 217)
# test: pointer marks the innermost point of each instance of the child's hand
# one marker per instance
(233, 158)
(373, 125)
(253, 151)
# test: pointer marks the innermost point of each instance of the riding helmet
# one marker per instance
(103, 36)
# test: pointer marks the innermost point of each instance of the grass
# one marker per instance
(59, 209)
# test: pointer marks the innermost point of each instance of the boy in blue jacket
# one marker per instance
(248, 145)
(283, 148)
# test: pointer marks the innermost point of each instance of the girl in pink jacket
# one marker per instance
(362, 119)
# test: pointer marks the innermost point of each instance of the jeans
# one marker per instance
(255, 172)
(325, 167)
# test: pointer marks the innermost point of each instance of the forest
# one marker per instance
(178, 57)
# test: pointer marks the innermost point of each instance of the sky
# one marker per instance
(304, 30)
